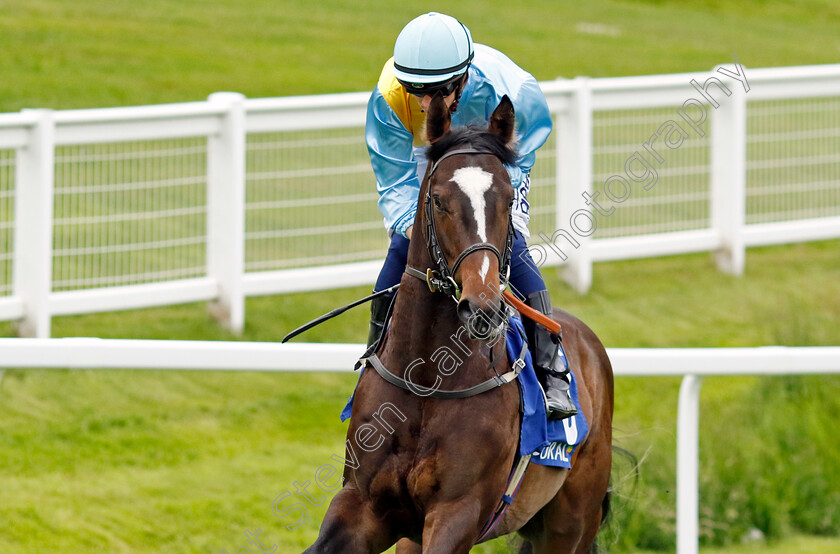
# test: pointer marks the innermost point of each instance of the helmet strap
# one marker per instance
(460, 90)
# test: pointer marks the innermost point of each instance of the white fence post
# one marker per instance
(574, 178)
(729, 175)
(33, 243)
(688, 451)
(226, 211)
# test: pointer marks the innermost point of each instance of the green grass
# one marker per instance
(63, 54)
(131, 461)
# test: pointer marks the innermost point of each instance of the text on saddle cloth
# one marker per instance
(551, 441)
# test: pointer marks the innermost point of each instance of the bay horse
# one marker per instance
(421, 469)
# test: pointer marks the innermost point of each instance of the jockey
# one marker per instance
(435, 53)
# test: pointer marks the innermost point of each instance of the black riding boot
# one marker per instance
(378, 312)
(554, 373)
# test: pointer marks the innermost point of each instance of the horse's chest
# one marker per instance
(449, 462)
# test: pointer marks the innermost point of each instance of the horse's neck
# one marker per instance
(419, 314)
(425, 328)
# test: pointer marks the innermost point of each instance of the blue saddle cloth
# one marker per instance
(551, 442)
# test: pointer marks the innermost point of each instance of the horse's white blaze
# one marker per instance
(474, 182)
(485, 265)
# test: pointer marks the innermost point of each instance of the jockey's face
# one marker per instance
(424, 101)
(453, 86)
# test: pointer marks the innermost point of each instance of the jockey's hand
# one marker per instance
(408, 232)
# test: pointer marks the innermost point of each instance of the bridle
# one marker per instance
(442, 279)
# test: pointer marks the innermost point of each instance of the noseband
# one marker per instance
(442, 279)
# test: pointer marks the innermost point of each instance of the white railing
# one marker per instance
(691, 363)
(123, 208)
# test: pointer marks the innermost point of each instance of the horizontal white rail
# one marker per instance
(136, 123)
(297, 113)
(310, 278)
(670, 90)
(11, 308)
(96, 353)
(761, 234)
(14, 129)
(133, 297)
(646, 246)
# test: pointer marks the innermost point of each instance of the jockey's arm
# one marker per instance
(390, 146)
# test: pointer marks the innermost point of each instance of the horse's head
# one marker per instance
(468, 197)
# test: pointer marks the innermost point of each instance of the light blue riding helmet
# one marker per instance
(431, 49)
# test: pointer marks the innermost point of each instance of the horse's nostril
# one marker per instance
(464, 310)
(479, 323)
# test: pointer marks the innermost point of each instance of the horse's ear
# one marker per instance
(438, 119)
(503, 120)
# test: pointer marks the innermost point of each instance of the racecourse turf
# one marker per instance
(131, 461)
(140, 461)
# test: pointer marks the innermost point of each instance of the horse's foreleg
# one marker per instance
(451, 528)
(572, 519)
(350, 527)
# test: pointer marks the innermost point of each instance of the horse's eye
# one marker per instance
(436, 200)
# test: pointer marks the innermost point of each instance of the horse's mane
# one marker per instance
(475, 137)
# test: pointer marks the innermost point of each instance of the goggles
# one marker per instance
(422, 89)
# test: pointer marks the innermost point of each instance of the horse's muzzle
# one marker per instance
(481, 323)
